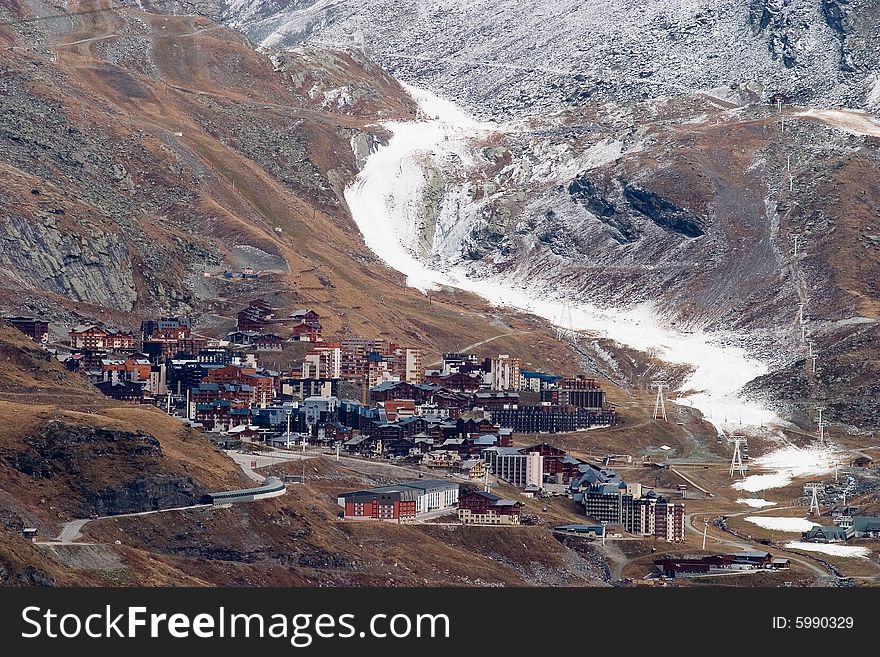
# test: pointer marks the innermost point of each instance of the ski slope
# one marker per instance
(386, 200)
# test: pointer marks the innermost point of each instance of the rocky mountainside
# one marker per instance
(142, 154)
(515, 57)
(663, 153)
(68, 458)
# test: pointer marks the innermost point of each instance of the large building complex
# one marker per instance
(401, 502)
(482, 508)
(609, 499)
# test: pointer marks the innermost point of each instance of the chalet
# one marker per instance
(135, 368)
(122, 390)
(472, 468)
(309, 332)
(306, 316)
(394, 448)
(441, 458)
(93, 336)
(484, 441)
(475, 427)
(481, 508)
(410, 426)
(388, 431)
(863, 461)
(399, 409)
(422, 442)
(559, 466)
(337, 432)
(250, 319)
(243, 337)
(36, 329)
(361, 445)
(451, 402)
(457, 445)
(418, 393)
(222, 415)
(268, 342)
(248, 432)
(255, 316)
(833, 534)
(457, 381)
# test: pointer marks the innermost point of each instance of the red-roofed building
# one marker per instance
(307, 332)
(93, 336)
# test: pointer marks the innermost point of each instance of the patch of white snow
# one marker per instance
(781, 524)
(835, 550)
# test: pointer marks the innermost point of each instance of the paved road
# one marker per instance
(745, 545)
(262, 459)
(70, 531)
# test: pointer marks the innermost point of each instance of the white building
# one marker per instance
(324, 361)
(514, 467)
(313, 407)
(505, 373)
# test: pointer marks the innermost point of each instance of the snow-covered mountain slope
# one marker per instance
(630, 157)
(519, 57)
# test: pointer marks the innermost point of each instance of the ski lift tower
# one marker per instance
(565, 329)
(736, 462)
(660, 401)
(812, 489)
(822, 424)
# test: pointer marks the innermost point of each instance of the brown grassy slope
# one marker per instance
(219, 150)
(296, 539)
(77, 471)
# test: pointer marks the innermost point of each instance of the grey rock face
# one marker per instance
(92, 267)
(67, 451)
(523, 58)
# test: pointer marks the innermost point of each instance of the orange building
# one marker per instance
(93, 336)
(263, 386)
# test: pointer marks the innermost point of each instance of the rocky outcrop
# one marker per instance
(839, 20)
(145, 494)
(27, 576)
(107, 471)
(581, 189)
(93, 266)
(663, 212)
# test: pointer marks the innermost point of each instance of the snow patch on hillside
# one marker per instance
(855, 551)
(385, 201)
(755, 503)
(781, 524)
(785, 465)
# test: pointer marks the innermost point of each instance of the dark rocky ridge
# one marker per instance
(79, 455)
(663, 212)
(584, 191)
